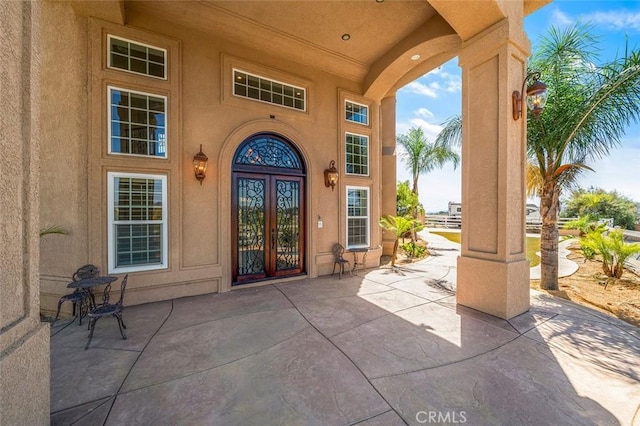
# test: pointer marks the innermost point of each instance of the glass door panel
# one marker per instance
(250, 255)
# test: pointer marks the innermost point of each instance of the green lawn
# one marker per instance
(533, 245)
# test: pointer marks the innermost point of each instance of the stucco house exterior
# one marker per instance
(106, 103)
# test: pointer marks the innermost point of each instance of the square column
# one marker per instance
(388, 137)
(493, 272)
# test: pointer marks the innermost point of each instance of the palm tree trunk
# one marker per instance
(549, 208)
(395, 253)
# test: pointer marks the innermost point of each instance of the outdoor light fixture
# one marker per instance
(200, 165)
(331, 175)
(536, 96)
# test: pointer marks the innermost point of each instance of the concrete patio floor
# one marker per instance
(383, 348)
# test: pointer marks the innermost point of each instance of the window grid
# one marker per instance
(137, 123)
(136, 57)
(137, 205)
(356, 113)
(357, 217)
(357, 154)
(270, 91)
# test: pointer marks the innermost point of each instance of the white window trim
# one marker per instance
(368, 217)
(368, 154)
(110, 66)
(166, 123)
(111, 225)
(344, 111)
(233, 90)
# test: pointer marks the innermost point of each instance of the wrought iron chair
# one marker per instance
(105, 309)
(338, 259)
(79, 296)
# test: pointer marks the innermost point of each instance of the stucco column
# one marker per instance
(24, 340)
(493, 272)
(388, 137)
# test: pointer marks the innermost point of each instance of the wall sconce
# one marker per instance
(536, 96)
(200, 165)
(331, 175)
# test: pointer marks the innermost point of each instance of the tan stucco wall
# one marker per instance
(202, 111)
(24, 341)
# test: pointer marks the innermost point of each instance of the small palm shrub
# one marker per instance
(612, 248)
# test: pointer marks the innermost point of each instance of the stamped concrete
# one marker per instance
(387, 347)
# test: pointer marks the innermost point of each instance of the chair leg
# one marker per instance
(92, 326)
(58, 312)
(120, 325)
(334, 268)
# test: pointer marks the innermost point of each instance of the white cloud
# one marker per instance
(619, 20)
(420, 89)
(423, 112)
(560, 19)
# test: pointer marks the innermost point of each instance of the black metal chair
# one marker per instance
(105, 309)
(338, 259)
(79, 297)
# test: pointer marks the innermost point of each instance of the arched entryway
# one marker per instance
(267, 209)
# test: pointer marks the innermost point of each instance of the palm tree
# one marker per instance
(585, 116)
(400, 227)
(422, 156)
(587, 110)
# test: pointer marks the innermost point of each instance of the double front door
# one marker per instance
(268, 223)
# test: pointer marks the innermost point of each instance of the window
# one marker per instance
(137, 234)
(137, 123)
(357, 154)
(357, 217)
(356, 113)
(270, 91)
(136, 57)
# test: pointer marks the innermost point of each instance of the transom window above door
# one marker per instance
(137, 123)
(263, 89)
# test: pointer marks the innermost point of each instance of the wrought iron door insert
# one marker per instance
(268, 210)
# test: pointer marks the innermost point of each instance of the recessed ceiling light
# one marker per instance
(346, 36)
(415, 57)
(379, 1)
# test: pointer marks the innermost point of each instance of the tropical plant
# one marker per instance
(413, 249)
(612, 248)
(587, 110)
(597, 204)
(422, 156)
(406, 201)
(53, 229)
(400, 227)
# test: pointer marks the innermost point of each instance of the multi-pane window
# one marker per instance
(357, 217)
(136, 57)
(266, 90)
(357, 154)
(137, 123)
(356, 113)
(137, 215)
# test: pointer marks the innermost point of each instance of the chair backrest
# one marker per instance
(86, 271)
(107, 292)
(338, 251)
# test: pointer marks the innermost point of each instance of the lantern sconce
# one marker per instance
(200, 165)
(536, 96)
(331, 175)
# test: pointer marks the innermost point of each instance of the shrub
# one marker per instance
(612, 248)
(414, 250)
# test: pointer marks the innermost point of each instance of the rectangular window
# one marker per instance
(137, 57)
(357, 217)
(137, 123)
(357, 154)
(356, 113)
(137, 234)
(269, 91)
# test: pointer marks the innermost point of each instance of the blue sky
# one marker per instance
(430, 100)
